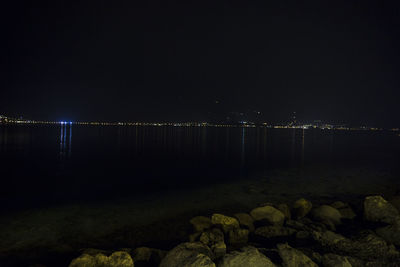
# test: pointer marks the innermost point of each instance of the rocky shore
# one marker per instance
(277, 234)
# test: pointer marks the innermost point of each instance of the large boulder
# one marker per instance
(292, 257)
(301, 207)
(189, 254)
(200, 223)
(248, 256)
(227, 223)
(377, 209)
(333, 260)
(117, 259)
(328, 215)
(269, 214)
(245, 220)
(274, 231)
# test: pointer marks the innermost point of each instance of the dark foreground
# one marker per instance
(299, 234)
(335, 222)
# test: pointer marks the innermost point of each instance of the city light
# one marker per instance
(240, 124)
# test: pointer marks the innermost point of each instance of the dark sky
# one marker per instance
(336, 60)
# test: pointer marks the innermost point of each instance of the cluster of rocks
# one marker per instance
(277, 235)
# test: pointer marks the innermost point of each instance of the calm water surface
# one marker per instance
(47, 165)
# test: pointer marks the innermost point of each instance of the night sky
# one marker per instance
(336, 61)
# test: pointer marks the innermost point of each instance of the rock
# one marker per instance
(201, 223)
(333, 260)
(245, 220)
(301, 207)
(212, 236)
(248, 256)
(274, 231)
(219, 249)
(390, 233)
(189, 254)
(284, 208)
(328, 238)
(238, 237)
(117, 259)
(85, 260)
(227, 223)
(366, 247)
(269, 214)
(328, 215)
(205, 238)
(313, 225)
(292, 257)
(377, 209)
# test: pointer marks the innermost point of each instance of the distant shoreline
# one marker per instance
(200, 124)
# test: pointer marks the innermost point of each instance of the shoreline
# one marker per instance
(53, 234)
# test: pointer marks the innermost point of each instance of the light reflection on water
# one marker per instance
(65, 140)
(239, 146)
